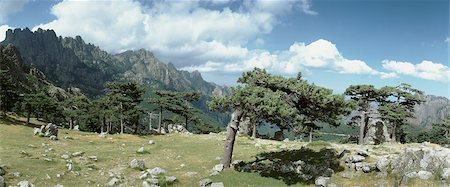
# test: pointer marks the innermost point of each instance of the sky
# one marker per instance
(333, 43)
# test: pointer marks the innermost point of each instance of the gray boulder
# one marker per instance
(156, 171)
(321, 181)
(76, 127)
(424, 175)
(148, 184)
(205, 182)
(36, 131)
(137, 164)
(445, 174)
(25, 184)
(218, 168)
(50, 130)
(2, 171)
(114, 181)
(354, 158)
(2, 182)
(217, 184)
(171, 179)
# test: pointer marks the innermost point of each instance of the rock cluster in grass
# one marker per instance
(137, 164)
(50, 130)
(156, 176)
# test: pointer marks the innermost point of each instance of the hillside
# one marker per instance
(70, 62)
(187, 157)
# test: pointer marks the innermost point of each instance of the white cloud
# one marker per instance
(8, 7)
(447, 40)
(3, 29)
(425, 70)
(320, 54)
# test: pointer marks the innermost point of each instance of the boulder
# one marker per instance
(217, 184)
(354, 158)
(137, 164)
(321, 181)
(65, 156)
(78, 153)
(424, 175)
(171, 179)
(58, 185)
(25, 184)
(156, 171)
(2, 182)
(102, 135)
(205, 182)
(382, 163)
(36, 131)
(76, 127)
(218, 168)
(140, 150)
(148, 184)
(53, 137)
(50, 130)
(362, 152)
(151, 142)
(377, 132)
(347, 175)
(445, 174)
(114, 181)
(2, 170)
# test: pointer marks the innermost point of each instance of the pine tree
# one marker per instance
(8, 92)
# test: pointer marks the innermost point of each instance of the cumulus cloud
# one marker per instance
(3, 29)
(320, 54)
(8, 7)
(425, 70)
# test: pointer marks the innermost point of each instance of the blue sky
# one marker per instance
(334, 43)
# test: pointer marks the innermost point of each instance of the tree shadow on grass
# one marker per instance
(294, 166)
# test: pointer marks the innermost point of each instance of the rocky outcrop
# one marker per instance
(48, 130)
(376, 128)
(434, 109)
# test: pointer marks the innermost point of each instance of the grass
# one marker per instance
(188, 157)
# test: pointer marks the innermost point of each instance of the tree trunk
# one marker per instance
(71, 123)
(394, 136)
(232, 128)
(28, 118)
(186, 122)
(254, 130)
(121, 118)
(310, 135)
(160, 119)
(362, 126)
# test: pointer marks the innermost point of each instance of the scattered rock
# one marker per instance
(424, 175)
(147, 184)
(362, 152)
(94, 158)
(52, 137)
(321, 181)
(77, 128)
(218, 167)
(214, 173)
(331, 185)
(68, 138)
(156, 171)
(79, 153)
(354, 158)
(144, 175)
(151, 142)
(114, 181)
(17, 174)
(217, 184)
(65, 156)
(381, 184)
(59, 185)
(205, 182)
(140, 150)
(31, 145)
(102, 135)
(50, 130)
(36, 131)
(191, 173)
(347, 175)
(286, 140)
(171, 179)
(2, 182)
(2, 170)
(445, 174)
(137, 164)
(48, 159)
(25, 184)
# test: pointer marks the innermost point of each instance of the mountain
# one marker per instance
(70, 62)
(29, 79)
(435, 108)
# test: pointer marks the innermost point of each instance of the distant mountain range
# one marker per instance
(70, 62)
